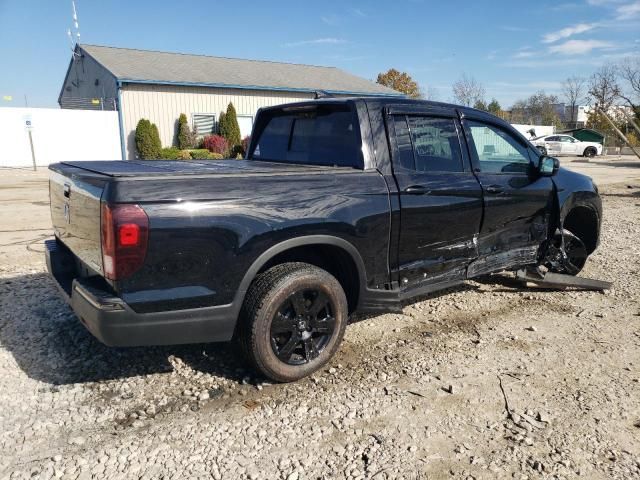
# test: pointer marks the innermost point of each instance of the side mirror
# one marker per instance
(548, 166)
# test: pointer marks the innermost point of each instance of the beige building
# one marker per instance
(160, 86)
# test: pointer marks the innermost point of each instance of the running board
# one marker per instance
(535, 278)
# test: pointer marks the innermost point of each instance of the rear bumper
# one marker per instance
(116, 324)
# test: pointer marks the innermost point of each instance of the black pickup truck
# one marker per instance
(341, 206)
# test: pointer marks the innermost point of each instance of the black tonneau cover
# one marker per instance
(134, 168)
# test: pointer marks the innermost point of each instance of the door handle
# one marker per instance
(494, 189)
(416, 190)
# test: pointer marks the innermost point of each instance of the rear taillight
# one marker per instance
(125, 230)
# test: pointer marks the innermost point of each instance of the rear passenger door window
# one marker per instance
(435, 144)
(428, 144)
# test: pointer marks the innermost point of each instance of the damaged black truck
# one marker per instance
(341, 206)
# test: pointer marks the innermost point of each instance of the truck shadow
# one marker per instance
(50, 345)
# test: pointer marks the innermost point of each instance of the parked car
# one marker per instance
(566, 145)
(341, 206)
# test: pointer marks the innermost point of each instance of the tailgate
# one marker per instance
(75, 211)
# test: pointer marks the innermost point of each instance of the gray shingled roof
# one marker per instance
(141, 66)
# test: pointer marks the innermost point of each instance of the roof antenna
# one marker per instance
(76, 29)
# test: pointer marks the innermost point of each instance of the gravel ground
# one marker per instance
(488, 380)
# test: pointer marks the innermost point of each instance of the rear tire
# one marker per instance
(292, 321)
(590, 152)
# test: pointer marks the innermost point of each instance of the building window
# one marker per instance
(204, 124)
(245, 122)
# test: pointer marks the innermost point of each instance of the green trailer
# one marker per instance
(585, 135)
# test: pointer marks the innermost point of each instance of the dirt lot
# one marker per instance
(488, 380)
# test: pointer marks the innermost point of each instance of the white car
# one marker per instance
(553, 145)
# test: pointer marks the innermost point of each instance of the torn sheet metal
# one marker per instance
(537, 278)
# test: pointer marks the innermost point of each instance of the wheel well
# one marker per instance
(335, 260)
(583, 222)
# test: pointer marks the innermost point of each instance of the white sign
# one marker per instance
(28, 122)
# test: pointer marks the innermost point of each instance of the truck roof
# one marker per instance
(374, 101)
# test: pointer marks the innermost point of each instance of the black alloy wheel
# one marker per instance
(576, 253)
(292, 320)
(302, 327)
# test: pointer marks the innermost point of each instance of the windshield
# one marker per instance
(315, 135)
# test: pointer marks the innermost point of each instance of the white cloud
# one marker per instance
(600, 3)
(629, 10)
(524, 54)
(578, 47)
(567, 32)
(316, 41)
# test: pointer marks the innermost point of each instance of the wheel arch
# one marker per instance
(582, 220)
(312, 249)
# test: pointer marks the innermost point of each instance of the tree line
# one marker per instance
(610, 86)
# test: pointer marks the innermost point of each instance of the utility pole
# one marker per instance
(617, 130)
(33, 154)
(630, 120)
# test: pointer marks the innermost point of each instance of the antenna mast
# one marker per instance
(74, 35)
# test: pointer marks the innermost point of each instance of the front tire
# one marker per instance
(575, 254)
(590, 152)
(292, 321)
(543, 150)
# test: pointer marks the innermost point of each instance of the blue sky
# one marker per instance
(513, 47)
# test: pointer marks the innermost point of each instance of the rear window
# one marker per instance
(323, 135)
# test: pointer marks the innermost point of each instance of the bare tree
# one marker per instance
(629, 71)
(538, 109)
(573, 89)
(429, 93)
(603, 87)
(468, 91)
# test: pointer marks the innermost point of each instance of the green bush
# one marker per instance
(229, 127)
(200, 154)
(215, 156)
(221, 122)
(170, 153)
(147, 140)
(184, 155)
(186, 138)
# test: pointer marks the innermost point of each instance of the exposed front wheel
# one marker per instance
(293, 321)
(566, 254)
(543, 150)
(590, 152)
